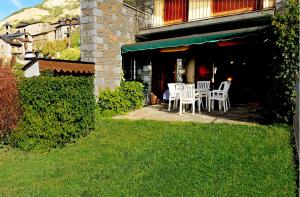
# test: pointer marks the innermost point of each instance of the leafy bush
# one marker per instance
(75, 39)
(10, 112)
(280, 105)
(125, 98)
(57, 110)
(70, 54)
(50, 48)
(59, 48)
(17, 70)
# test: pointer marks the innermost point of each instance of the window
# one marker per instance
(175, 11)
(221, 7)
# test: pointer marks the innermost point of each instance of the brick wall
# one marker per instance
(106, 25)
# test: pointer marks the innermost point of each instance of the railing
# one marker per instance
(159, 13)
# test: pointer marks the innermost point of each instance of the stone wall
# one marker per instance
(106, 25)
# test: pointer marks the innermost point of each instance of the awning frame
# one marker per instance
(196, 39)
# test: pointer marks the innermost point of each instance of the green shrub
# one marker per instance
(129, 96)
(50, 48)
(280, 102)
(75, 39)
(59, 48)
(70, 54)
(57, 110)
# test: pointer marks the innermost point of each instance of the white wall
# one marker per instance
(32, 71)
(5, 50)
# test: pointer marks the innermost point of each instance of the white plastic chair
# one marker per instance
(173, 95)
(187, 96)
(221, 95)
(202, 91)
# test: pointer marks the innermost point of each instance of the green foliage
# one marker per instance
(70, 54)
(50, 48)
(125, 98)
(280, 105)
(156, 158)
(57, 110)
(75, 39)
(59, 48)
(18, 72)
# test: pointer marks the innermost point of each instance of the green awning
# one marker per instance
(186, 41)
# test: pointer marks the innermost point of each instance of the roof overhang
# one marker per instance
(64, 66)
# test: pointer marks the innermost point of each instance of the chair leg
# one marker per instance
(202, 103)
(220, 105)
(180, 108)
(199, 105)
(169, 108)
(228, 101)
(193, 106)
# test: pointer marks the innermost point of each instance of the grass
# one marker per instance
(150, 158)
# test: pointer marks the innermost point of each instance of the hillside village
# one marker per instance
(14, 45)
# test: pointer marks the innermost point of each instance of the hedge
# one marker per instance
(10, 111)
(57, 110)
(127, 97)
(283, 72)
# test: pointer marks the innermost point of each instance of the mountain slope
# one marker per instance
(47, 11)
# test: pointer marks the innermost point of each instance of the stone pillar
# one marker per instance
(147, 78)
(190, 71)
(105, 26)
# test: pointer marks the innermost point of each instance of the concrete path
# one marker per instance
(236, 115)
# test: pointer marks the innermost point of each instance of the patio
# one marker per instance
(236, 115)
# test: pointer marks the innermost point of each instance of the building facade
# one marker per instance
(15, 44)
(5, 52)
(45, 36)
(39, 31)
(163, 41)
(65, 27)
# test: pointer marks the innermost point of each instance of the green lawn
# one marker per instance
(149, 158)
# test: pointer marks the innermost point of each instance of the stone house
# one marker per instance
(20, 43)
(163, 41)
(39, 31)
(48, 35)
(65, 27)
(5, 51)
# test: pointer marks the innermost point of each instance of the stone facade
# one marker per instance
(5, 53)
(5, 49)
(63, 31)
(106, 25)
(44, 36)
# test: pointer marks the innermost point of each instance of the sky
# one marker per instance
(8, 7)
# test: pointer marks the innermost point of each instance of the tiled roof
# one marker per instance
(64, 66)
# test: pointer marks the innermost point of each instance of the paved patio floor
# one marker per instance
(236, 115)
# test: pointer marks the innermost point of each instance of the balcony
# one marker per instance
(169, 13)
